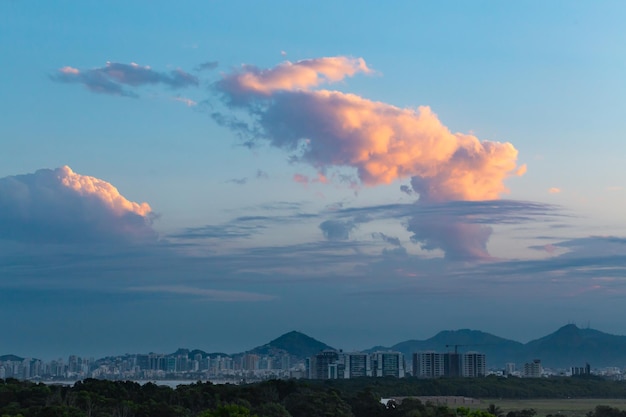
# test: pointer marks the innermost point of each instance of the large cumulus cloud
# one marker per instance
(61, 206)
(383, 143)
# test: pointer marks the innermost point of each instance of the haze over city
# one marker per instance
(213, 174)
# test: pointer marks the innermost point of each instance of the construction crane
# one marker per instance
(456, 347)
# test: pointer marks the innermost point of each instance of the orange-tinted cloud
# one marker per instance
(62, 206)
(554, 190)
(250, 80)
(109, 195)
(383, 142)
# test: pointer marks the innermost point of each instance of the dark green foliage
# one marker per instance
(292, 398)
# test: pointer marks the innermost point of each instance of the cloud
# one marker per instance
(187, 101)
(207, 66)
(381, 142)
(207, 294)
(239, 181)
(406, 189)
(337, 230)
(250, 82)
(388, 239)
(554, 190)
(112, 78)
(61, 206)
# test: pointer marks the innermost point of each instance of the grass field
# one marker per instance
(570, 408)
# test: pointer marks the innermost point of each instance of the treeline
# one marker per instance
(488, 387)
(286, 398)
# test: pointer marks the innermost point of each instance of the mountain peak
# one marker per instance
(295, 343)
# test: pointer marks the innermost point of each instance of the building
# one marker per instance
(533, 369)
(428, 364)
(473, 365)
(331, 364)
(452, 364)
(387, 364)
(320, 365)
(357, 364)
(509, 368)
(581, 370)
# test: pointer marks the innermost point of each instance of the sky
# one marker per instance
(213, 174)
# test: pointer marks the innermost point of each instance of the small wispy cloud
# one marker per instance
(187, 101)
(238, 181)
(205, 293)
(207, 66)
(554, 190)
(114, 77)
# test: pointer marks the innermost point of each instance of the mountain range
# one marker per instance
(568, 346)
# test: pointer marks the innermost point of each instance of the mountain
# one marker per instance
(568, 346)
(497, 350)
(295, 343)
(572, 346)
(11, 358)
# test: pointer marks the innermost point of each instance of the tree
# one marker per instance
(228, 410)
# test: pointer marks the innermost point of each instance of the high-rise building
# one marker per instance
(473, 364)
(452, 364)
(509, 368)
(533, 369)
(320, 365)
(356, 364)
(428, 364)
(250, 362)
(387, 364)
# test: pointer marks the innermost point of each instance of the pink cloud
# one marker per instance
(554, 190)
(69, 70)
(291, 76)
(383, 143)
(62, 206)
(301, 179)
(109, 195)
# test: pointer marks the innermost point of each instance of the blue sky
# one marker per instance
(252, 133)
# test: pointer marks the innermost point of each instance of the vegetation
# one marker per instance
(280, 398)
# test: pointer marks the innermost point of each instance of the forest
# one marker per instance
(295, 398)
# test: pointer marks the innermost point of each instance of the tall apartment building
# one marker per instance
(387, 364)
(533, 369)
(428, 364)
(331, 364)
(452, 364)
(319, 366)
(434, 364)
(473, 364)
(356, 364)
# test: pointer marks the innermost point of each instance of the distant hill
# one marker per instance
(191, 354)
(295, 343)
(568, 346)
(497, 350)
(11, 358)
(572, 346)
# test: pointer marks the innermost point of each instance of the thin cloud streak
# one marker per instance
(112, 78)
(205, 293)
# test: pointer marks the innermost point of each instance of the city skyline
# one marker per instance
(217, 173)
